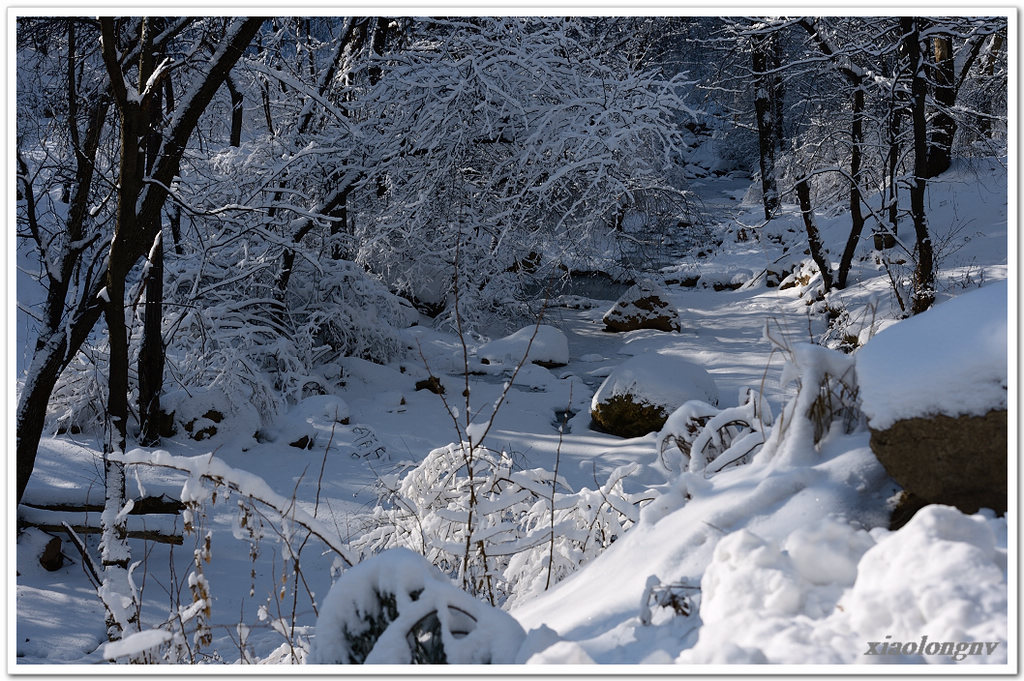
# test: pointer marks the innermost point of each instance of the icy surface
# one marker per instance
(950, 360)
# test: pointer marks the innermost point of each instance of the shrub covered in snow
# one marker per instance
(699, 437)
(519, 545)
(640, 393)
(396, 608)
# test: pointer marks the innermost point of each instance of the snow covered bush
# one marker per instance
(827, 400)
(268, 351)
(700, 437)
(396, 608)
(536, 165)
(493, 528)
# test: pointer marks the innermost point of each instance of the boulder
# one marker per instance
(934, 390)
(642, 306)
(957, 461)
(638, 396)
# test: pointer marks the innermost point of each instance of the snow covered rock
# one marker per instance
(643, 306)
(934, 388)
(950, 360)
(638, 396)
(204, 413)
(396, 608)
(550, 347)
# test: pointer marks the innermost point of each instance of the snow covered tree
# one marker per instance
(98, 261)
(536, 160)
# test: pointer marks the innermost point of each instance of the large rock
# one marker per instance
(958, 461)
(637, 397)
(934, 389)
(643, 306)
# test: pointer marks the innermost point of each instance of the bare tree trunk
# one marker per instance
(134, 140)
(818, 253)
(236, 113)
(767, 129)
(856, 214)
(924, 273)
(892, 164)
(152, 353)
(151, 360)
(985, 127)
(47, 364)
(943, 127)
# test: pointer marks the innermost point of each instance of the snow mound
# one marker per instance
(549, 347)
(951, 360)
(315, 417)
(396, 608)
(660, 379)
(211, 414)
(826, 592)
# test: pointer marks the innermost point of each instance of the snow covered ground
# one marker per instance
(782, 560)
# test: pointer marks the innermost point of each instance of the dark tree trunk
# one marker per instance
(767, 130)
(152, 353)
(818, 253)
(236, 113)
(47, 364)
(985, 127)
(777, 91)
(924, 273)
(892, 164)
(135, 140)
(856, 212)
(943, 127)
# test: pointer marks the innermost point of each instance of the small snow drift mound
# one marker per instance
(643, 306)
(640, 393)
(204, 413)
(397, 608)
(934, 388)
(549, 348)
(824, 593)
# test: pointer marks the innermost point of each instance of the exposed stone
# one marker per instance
(204, 427)
(52, 559)
(957, 461)
(643, 306)
(304, 442)
(628, 416)
(433, 384)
